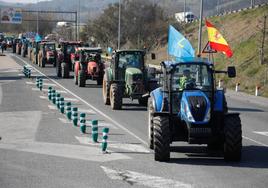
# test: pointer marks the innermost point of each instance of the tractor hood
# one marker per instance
(132, 71)
(195, 107)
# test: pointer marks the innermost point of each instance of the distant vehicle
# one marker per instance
(89, 66)
(185, 17)
(64, 64)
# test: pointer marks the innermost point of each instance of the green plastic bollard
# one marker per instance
(75, 115)
(104, 144)
(94, 130)
(83, 123)
(68, 110)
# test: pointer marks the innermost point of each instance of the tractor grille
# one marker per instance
(197, 105)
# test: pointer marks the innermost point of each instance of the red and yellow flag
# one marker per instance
(216, 40)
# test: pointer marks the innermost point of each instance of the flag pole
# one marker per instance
(200, 28)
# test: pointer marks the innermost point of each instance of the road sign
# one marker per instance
(208, 49)
(11, 15)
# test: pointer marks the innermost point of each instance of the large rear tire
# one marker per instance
(232, 138)
(64, 70)
(150, 124)
(58, 69)
(105, 91)
(81, 78)
(115, 97)
(99, 80)
(43, 64)
(161, 138)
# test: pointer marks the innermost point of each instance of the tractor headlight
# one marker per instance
(189, 114)
(207, 117)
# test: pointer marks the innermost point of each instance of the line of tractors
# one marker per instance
(183, 101)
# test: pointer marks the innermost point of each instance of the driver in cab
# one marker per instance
(186, 80)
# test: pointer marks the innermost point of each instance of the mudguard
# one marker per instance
(219, 96)
(185, 107)
(157, 98)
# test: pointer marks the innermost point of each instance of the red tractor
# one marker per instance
(64, 64)
(47, 54)
(89, 66)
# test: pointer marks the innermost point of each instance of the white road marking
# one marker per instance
(257, 142)
(65, 121)
(102, 124)
(43, 97)
(88, 111)
(44, 84)
(90, 105)
(135, 148)
(264, 133)
(52, 107)
(21, 75)
(58, 91)
(136, 178)
(71, 99)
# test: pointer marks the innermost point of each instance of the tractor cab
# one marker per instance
(64, 62)
(47, 53)
(89, 66)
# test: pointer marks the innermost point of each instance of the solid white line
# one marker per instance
(262, 144)
(264, 133)
(142, 179)
(85, 102)
(51, 107)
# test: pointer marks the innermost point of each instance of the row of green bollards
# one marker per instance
(26, 71)
(39, 83)
(71, 113)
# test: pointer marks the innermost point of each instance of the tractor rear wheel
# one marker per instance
(150, 124)
(43, 64)
(58, 69)
(81, 78)
(75, 79)
(105, 91)
(115, 97)
(143, 101)
(99, 80)
(161, 138)
(232, 138)
(64, 70)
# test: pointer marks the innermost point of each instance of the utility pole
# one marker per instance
(184, 10)
(200, 28)
(263, 41)
(78, 21)
(252, 3)
(37, 20)
(119, 25)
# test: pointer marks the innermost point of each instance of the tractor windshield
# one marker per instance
(50, 47)
(192, 76)
(130, 59)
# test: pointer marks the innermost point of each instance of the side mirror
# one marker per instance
(231, 72)
(153, 56)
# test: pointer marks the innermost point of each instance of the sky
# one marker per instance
(22, 1)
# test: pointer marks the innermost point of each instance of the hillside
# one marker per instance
(243, 33)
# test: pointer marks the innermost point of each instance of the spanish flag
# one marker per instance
(216, 40)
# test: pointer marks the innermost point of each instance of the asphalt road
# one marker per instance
(40, 148)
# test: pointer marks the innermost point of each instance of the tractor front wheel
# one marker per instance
(161, 138)
(43, 64)
(115, 97)
(64, 70)
(99, 81)
(105, 92)
(232, 138)
(81, 78)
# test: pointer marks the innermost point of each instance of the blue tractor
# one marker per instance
(188, 107)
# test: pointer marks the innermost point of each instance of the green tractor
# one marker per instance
(128, 77)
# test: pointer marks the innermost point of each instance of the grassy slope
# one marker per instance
(241, 32)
